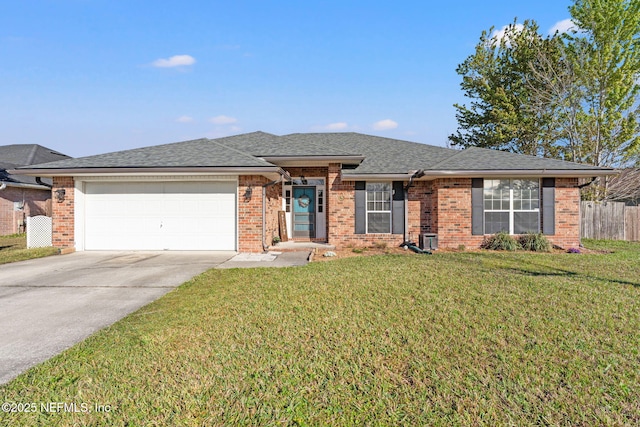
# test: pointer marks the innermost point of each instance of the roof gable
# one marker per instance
(28, 154)
(16, 155)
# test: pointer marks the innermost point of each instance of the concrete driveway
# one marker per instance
(50, 304)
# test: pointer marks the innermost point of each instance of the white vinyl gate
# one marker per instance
(39, 229)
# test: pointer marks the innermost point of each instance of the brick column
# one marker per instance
(250, 214)
(567, 213)
(62, 213)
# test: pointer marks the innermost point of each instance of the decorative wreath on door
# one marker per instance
(304, 201)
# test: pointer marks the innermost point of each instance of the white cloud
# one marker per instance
(184, 119)
(174, 61)
(386, 124)
(563, 26)
(336, 126)
(500, 34)
(223, 120)
(331, 127)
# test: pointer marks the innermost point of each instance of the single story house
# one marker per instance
(339, 188)
(20, 195)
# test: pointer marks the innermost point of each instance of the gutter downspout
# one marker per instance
(580, 187)
(586, 184)
(39, 181)
(283, 174)
(417, 174)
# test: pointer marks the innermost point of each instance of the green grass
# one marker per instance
(14, 248)
(477, 338)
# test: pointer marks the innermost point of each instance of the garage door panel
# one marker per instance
(160, 216)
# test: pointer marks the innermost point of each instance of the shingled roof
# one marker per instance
(16, 155)
(368, 155)
(196, 153)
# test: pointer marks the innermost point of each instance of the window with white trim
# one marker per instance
(511, 205)
(378, 207)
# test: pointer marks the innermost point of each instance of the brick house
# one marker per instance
(22, 196)
(339, 188)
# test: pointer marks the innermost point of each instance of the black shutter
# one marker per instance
(477, 206)
(397, 208)
(361, 208)
(549, 206)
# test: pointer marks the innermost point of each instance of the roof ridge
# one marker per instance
(244, 154)
(456, 153)
(318, 145)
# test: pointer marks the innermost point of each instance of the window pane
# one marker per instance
(525, 222)
(379, 222)
(495, 222)
(378, 186)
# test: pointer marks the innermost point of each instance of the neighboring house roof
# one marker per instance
(369, 156)
(17, 155)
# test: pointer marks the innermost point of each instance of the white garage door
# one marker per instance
(160, 215)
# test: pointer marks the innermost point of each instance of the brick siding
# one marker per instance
(442, 206)
(63, 213)
(36, 202)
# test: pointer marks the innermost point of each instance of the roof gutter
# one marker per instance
(490, 173)
(136, 171)
(4, 185)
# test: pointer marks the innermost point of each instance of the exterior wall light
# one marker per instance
(60, 194)
(248, 193)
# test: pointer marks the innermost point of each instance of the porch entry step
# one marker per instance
(296, 246)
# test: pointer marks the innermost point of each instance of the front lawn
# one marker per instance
(14, 248)
(469, 338)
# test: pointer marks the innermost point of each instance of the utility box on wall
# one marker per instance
(429, 241)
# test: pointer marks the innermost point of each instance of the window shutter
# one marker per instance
(397, 208)
(361, 208)
(549, 206)
(477, 206)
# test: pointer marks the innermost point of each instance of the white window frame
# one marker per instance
(368, 211)
(511, 209)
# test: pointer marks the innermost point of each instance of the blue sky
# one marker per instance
(91, 76)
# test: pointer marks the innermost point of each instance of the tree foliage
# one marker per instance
(496, 79)
(573, 96)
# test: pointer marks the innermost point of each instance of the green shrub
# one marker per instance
(536, 242)
(501, 241)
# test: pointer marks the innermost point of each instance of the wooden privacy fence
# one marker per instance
(610, 220)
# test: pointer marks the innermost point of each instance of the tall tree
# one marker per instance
(497, 80)
(606, 54)
(573, 96)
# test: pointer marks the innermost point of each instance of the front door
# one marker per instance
(304, 212)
